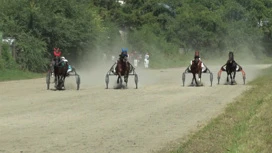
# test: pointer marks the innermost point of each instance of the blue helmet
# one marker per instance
(124, 49)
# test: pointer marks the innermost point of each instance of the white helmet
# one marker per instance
(62, 57)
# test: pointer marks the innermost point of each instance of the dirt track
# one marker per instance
(96, 120)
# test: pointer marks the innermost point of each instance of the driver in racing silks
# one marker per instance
(124, 56)
(63, 59)
(196, 56)
(56, 59)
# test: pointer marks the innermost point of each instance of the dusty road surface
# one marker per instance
(99, 120)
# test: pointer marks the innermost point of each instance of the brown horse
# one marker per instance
(196, 69)
(60, 71)
(122, 69)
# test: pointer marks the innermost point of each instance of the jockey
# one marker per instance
(124, 54)
(56, 59)
(124, 57)
(204, 69)
(57, 54)
(63, 59)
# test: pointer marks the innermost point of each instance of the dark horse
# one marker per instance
(60, 71)
(196, 68)
(231, 68)
(122, 69)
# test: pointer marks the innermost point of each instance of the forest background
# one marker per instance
(168, 30)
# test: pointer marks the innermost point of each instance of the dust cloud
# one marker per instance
(94, 67)
(93, 72)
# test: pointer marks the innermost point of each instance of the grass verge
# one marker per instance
(7, 75)
(245, 126)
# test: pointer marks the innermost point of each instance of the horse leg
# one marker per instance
(126, 79)
(192, 83)
(231, 77)
(118, 79)
(194, 77)
(63, 83)
(199, 76)
(234, 73)
(60, 82)
(56, 81)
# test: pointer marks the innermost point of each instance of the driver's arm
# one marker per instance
(222, 68)
(240, 67)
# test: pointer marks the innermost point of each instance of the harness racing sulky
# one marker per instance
(197, 68)
(231, 67)
(59, 71)
(122, 69)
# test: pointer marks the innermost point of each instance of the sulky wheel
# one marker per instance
(78, 81)
(183, 78)
(136, 80)
(211, 78)
(107, 80)
(48, 79)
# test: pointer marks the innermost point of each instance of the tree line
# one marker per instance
(160, 27)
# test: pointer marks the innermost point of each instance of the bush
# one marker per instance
(32, 53)
(2, 64)
(6, 60)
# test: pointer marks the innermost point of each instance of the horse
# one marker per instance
(122, 69)
(231, 68)
(60, 72)
(196, 68)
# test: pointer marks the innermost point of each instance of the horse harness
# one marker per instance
(197, 61)
(232, 64)
(60, 64)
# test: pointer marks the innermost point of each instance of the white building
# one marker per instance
(8, 40)
(121, 2)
